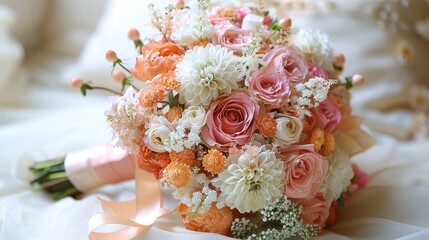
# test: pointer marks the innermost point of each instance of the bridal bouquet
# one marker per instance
(244, 116)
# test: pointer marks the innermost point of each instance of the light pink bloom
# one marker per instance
(218, 21)
(305, 171)
(241, 13)
(288, 61)
(269, 87)
(232, 37)
(316, 210)
(327, 115)
(230, 121)
(315, 70)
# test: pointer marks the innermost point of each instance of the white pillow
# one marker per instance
(119, 17)
(69, 24)
(29, 19)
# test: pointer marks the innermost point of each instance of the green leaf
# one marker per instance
(341, 202)
(349, 82)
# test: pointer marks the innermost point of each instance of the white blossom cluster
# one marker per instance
(284, 214)
(251, 59)
(199, 27)
(197, 195)
(187, 132)
(311, 93)
(124, 118)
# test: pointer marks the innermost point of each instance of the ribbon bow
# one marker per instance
(135, 215)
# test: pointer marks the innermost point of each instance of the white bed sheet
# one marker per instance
(39, 121)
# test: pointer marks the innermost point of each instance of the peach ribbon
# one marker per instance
(135, 215)
(352, 138)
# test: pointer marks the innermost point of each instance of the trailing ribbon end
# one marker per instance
(135, 215)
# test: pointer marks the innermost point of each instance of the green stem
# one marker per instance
(107, 89)
(123, 67)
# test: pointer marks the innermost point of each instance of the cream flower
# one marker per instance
(207, 72)
(195, 116)
(252, 22)
(252, 180)
(316, 47)
(289, 129)
(339, 175)
(158, 133)
(125, 119)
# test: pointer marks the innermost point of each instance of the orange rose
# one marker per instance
(214, 221)
(157, 58)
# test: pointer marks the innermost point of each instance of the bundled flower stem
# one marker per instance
(51, 177)
(82, 171)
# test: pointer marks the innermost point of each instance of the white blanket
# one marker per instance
(40, 122)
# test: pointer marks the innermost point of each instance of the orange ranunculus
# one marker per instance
(214, 221)
(151, 161)
(157, 58)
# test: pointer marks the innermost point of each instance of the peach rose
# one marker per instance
(289, 61)
(316, 210)
(230, 121)
(269, 87)
(305, 171)
(157, 58)
(214, 221)
(328, 115)
(232, 37)
(152, 162)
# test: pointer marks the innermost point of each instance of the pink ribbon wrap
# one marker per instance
(89, 169)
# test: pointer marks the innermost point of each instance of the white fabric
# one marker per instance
(40, 122)
(11, 52)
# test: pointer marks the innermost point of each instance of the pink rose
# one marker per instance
(218, 21)
(315, 70)
(316, 210)
(230, 121)
(268, 86)
(240, 14)
(289, 61)
(305, 171)
(328, 115)
(232, 37)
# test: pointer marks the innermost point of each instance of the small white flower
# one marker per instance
(158, 133)
(339, 175)
(252, 22)
(207, 72)
(252, 180)
(316, 47)
(289, 129)
(195, 116)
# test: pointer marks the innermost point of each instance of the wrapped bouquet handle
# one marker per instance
(82, 171)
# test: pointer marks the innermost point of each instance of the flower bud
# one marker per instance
(285, 23)
(133, 34)
(358, 80)
(340, 59)
(179, 4)
(118, 76)
(111, 56)
(76, 83)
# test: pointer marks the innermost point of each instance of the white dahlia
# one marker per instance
(207, 72)
(252, 180)
(316, 47)
(339, 175)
